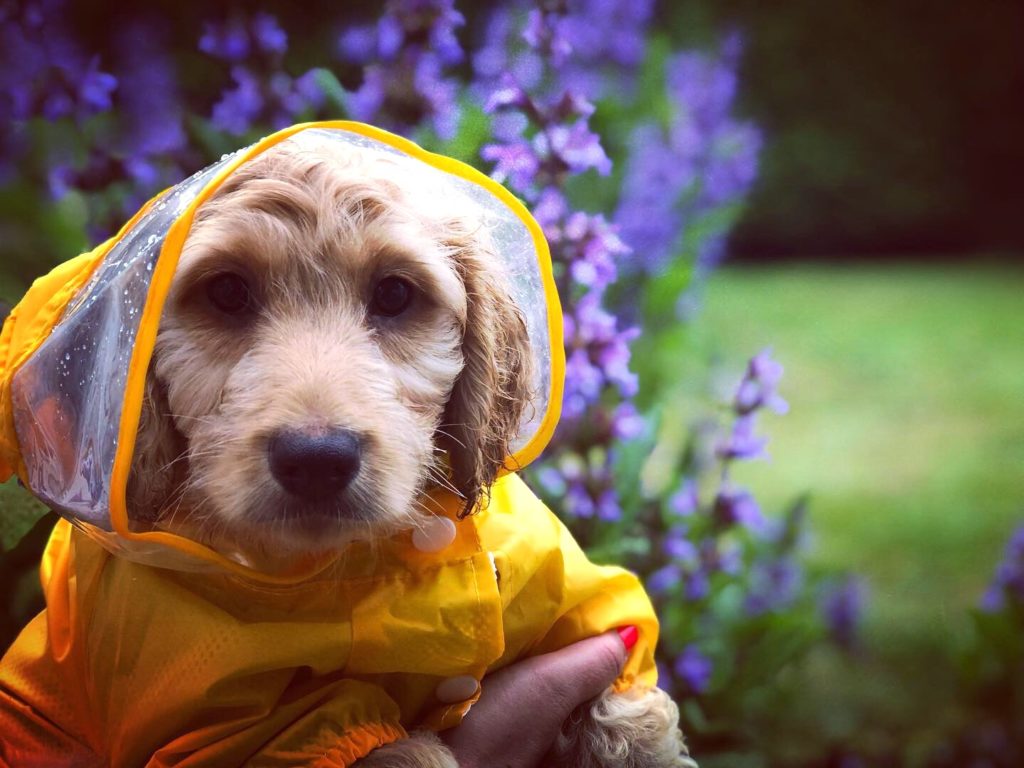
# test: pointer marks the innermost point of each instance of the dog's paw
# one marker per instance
(638, 728)
(421, 750)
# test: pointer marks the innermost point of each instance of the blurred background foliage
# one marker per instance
(893, 129)
(850, 602)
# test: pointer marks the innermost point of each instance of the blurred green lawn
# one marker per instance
(906, 388)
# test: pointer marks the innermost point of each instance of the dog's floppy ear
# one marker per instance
(486, 405)
(158, 460)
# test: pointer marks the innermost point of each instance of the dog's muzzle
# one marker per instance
(314, 465)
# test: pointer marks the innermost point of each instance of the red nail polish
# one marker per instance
(629, 636)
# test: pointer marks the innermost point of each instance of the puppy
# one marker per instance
(336, 341)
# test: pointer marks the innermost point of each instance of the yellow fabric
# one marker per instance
(133, 665)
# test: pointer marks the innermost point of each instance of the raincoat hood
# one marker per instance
(74, 352)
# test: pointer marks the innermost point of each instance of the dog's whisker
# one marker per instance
(450, 437)
(444, 482)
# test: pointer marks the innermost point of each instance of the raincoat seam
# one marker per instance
(383, 733)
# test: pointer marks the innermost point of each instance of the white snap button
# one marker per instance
(433, 534)
(456, 689)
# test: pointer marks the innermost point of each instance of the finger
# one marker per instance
(581, 671)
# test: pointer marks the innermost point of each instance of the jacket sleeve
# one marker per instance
(329, 727)
(552, 595)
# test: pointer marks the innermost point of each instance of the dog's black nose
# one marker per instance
(314, 465)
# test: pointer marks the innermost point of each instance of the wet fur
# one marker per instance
(437, 395)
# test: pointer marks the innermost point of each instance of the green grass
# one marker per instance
(906, 388)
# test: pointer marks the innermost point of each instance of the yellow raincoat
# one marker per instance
(155, 650)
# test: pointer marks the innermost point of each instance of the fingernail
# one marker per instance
(629, 636)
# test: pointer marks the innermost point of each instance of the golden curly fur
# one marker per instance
(434, 394)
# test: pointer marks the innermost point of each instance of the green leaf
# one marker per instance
(334, 91)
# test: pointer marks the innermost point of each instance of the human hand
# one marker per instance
(523, 706)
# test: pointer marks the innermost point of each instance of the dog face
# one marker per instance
(335, 339)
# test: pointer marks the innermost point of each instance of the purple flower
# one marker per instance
(579, 501)
(45, 72)
(685, 501)
(515, 162)
(507, 94)
(583, 383)
(241, 105)
(404, 57)
(702, 161)
(358, 44)
(151, 106)
(552, 481)
(664, 579)
(59, 180)
(443, 41)
(439, 94)
(390, 35)
(733, 163)
(368, 100)
(58, 105)
(228, 40)
(757, 389)
(697, 585)
(263, 93)
(573, 104)
(650, 214)
(1007, 587)
(1015, 546)
(993, 600)
(728, 559)
(597, 247)
(608, 507)
(268, 35)
(546, 32)
(95, 88)
(842, 606)
(627, 422)
(704, 87)
(737, 507)
(774, 585)
(679, 547)
(610, 32)
(742, 443)
(694, 669)
(592, 47)
(577, 146)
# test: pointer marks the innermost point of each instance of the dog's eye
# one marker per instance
(391, 297)
(229, 293)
